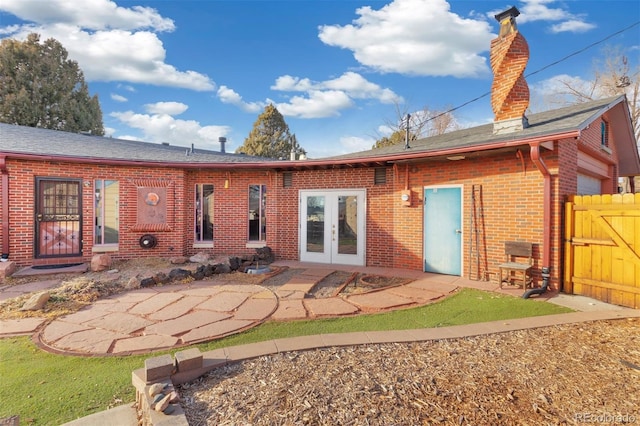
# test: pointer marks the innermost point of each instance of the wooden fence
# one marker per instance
(602, 248)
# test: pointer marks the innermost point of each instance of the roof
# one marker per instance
(562, 123)
(53, 143)
(565, 120)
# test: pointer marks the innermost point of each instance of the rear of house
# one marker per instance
(446, 204)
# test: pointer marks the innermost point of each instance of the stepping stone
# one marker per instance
(155, 303)
(215, 330)
(331, 306)
(20, 326)
(144, 343)
(378, 300)
(119, 322)
(177, 309)
(256, 309)
(177, 326)
(290, 309)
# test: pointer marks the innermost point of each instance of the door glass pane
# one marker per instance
(348, 224)
(315, 224)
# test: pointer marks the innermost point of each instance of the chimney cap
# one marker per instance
(513, 12)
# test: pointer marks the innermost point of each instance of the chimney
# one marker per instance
(509, 91)
(222, 141)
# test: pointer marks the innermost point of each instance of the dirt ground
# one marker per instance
(562, 375)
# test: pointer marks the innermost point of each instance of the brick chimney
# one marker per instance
(509, 91)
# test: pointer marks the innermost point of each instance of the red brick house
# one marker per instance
(444, 204)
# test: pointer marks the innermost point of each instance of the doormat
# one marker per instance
(64, 265)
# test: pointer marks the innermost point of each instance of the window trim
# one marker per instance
(261, 214)
(198, 237)
(99, 190)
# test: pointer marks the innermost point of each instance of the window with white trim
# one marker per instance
(106, 212)
(257, 214)
(203, 213)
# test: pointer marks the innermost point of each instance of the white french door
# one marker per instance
(332, 226)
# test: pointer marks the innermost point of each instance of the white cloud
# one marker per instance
(165, 128)
(351, 83)
(110, 43)
(229, 96)
(350, 144)
(544, 10)
(89, 14)
(169, 108)
(572, 26)
(318, 104)
(118, 98)
(415, 37)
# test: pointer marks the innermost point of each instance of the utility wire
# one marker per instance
(577, 52)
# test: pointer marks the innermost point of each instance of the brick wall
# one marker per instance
(22, 176)
(512, 202)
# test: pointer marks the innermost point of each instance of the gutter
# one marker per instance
(307, 164)
(5, 208)
(546, 230)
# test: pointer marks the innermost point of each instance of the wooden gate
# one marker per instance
(602, 248)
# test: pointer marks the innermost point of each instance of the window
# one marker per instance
(604, 133)
(257, 217)
(204, 213)
(107, 193)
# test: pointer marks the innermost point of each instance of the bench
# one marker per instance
(518, 264)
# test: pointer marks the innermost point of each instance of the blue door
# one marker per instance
(443, 230)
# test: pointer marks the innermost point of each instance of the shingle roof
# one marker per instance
(36, 141)
(552, 122)
(29, 141)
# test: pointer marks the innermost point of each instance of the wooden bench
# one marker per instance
(518, 264)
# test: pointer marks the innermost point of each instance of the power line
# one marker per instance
(577, 52)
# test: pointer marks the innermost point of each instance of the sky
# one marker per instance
(341, 72)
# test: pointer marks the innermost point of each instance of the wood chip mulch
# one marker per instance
(561, 375)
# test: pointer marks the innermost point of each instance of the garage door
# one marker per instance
(588, 185)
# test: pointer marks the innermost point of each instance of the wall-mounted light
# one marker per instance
(456, 158)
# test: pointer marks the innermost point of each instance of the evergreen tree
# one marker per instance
(41, 87)
(270, 137)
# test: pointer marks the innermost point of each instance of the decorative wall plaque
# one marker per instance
(154, 202)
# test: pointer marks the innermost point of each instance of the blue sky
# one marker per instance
(187, 72)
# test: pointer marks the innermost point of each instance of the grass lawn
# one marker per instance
(48, 389)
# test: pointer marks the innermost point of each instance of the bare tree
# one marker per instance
(612, 76)
(422, 124)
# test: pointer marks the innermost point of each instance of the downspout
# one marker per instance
(5, 208)
(546, 218)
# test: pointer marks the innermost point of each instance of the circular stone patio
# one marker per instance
(159, 317)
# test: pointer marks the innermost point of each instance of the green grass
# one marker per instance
(54, 389)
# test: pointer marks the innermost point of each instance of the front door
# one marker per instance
(332, 226)
(58, 218)
(443, 230)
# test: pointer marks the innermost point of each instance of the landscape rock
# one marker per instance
(156, 388)
(133, 283)
(234, 263)
(163, 404)
(147, 282)
(200, 258)
(36, 302)
(222, 268)
(100, 262)
(198, 274)
(179, 260)
(209, 270)
(265, 254)
(179, 274)
(161, 278)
